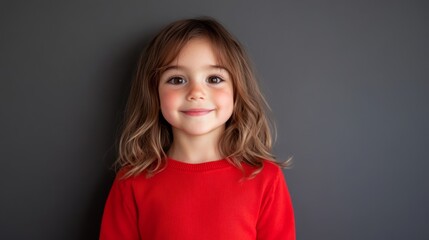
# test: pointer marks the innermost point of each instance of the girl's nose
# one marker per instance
(196, 92)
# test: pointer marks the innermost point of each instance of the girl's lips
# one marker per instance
(197, 112)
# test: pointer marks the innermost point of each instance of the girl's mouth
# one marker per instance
(197, 112)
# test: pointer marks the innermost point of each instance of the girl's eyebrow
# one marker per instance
(178, 67)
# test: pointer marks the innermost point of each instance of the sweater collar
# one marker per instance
(197, 167)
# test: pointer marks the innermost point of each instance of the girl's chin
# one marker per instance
(199, 132)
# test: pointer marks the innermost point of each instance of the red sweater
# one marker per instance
(200, 201)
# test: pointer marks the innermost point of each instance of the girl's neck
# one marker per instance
(195, 149)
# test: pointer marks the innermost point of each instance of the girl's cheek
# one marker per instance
(225, 98)
(168, 98)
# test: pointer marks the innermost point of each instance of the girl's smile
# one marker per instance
(197, 111)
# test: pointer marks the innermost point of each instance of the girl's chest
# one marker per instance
(195, 207)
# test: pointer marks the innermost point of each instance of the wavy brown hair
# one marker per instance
(146, 135)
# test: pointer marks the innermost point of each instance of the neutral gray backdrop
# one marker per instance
(348, 83)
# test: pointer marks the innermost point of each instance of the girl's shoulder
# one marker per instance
(270, 171)
(271, 167)
(123, 178)
(123, 172)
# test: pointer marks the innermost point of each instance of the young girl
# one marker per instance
(195, 150)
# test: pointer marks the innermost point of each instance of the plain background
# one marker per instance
(347, 81)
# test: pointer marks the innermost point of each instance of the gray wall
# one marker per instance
(347, 81)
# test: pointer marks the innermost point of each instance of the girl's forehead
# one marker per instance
(196, 49)
(200, 47)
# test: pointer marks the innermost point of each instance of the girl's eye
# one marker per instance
(215, 80)
(176, 81)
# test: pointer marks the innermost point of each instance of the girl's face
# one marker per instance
(196, 93)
